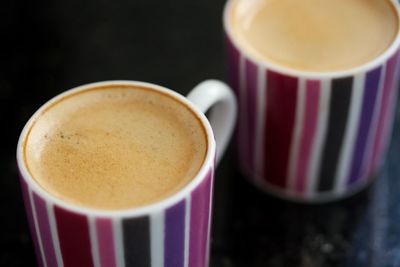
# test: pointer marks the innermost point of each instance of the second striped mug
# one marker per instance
(316, 83)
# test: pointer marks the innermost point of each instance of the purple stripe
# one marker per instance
(370, 92)
(210, 212)
(28, 209)
(174, 241)
(45, 232)
(199, 216)
(251, 90)
(106, 242)
(391, 115)
(384, 113)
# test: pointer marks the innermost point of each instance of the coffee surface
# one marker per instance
(314, 35)
(115, 148)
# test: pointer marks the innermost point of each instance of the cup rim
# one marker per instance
(371, 64)
(159, 205)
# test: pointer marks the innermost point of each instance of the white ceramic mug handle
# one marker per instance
(219, 97)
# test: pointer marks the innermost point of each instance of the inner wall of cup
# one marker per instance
(227, 14)
(25, 174)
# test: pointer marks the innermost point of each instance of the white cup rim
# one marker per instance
(131, 212)
(372, 64)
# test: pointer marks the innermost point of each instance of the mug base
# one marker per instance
(316, 198)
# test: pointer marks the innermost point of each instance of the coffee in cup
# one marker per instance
(115, 147)
(314, 35)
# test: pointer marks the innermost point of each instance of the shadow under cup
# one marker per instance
(174, 231)
(312, 136)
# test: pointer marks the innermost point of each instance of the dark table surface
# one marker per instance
(50, 46)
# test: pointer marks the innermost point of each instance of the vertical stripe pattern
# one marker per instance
(321, 138)
(309, 124)
(32, 226)
(45, 231)
(338, 113)
(293, 154)
(174, 241)
(350, 135)
(73, 233)
(136, 240)
(105, 242)
(177, 236)
(157, 237)
(199, 219)
(279, 123)
(389, 89)
(369, 99)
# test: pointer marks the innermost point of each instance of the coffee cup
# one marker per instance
(316, 83)
(120, 173)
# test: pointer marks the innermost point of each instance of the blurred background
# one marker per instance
(50, 46)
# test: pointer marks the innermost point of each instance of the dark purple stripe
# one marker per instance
(174, 240)
(28, 209)
(369, 99)
(136, 235)
(45, 232)
(339, 106)
(73, 234)
(251, 91)
(199, 218)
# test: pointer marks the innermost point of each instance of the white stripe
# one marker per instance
(209, 217)
(243, 106)
(320, 136)
(187, 231)
(118, 243)
(54, 235)
(291, 172)
(346, 153)
(372, 128)
(94, 242)
(261, 111)
(36, 225)
(157, 239)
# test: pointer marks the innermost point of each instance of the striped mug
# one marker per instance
(311, 136)
(173, 232)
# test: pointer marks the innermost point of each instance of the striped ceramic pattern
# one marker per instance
(175, 237)
(309, 139)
